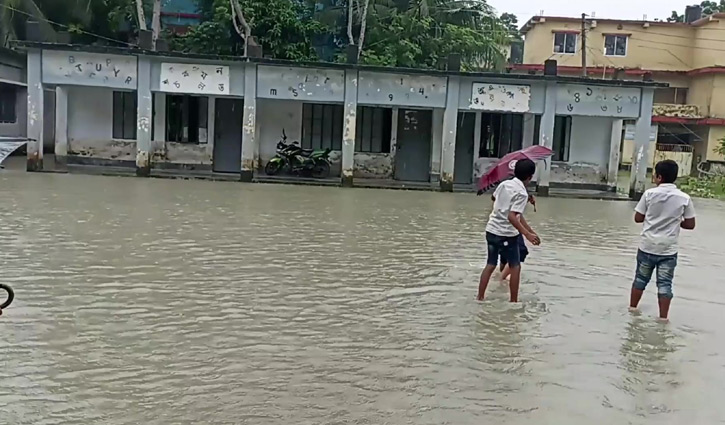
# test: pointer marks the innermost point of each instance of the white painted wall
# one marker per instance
(590, 140)
(90, 126)
(272, 117)
(90, 114)
(588, 153)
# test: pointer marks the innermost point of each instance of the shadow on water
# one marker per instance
(650, 370)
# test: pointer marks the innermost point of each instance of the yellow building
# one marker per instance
(689, 56)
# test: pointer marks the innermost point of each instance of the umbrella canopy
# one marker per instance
(504, 168)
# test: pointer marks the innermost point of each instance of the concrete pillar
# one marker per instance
(394, 133)
(144, 118)
(348, 127)
(450, 121)
(61, 128)
(477, 134)
(528, 131)
(614, 145)
(546, 138)
(249, 123)
(640, 156)
(210, 129)
(159, 118)
(436, 145)
(35, 112)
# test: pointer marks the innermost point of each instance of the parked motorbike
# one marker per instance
(302, 162)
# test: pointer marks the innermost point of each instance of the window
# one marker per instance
(124, 115)
(500, 134)
(562, 136)
(186, 119)
(565, 42)
(8, 114)
(615, 45)
(671, 95)
(322, 126)
(373, 130)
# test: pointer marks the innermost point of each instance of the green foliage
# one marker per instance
(708, 8)
(423, 33)
(704, 187)
(278, 25)
(720, 149)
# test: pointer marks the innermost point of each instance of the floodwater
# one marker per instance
(187, 302)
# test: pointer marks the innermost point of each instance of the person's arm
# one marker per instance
(640, 210)
(526, 225)
(515, 218)
(688, 222)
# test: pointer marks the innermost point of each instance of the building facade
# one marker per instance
(153, 110)
(689, 114)
(13, 99)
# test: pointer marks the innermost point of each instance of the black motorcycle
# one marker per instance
(302, 162)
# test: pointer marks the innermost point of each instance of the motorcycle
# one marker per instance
(303, 162)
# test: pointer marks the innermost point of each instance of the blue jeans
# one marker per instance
(665, 265)
(506, 248)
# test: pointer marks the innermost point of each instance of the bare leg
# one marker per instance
(664, 303)
(634, 298)
(506, 272)
(514, 284)
(485, 278)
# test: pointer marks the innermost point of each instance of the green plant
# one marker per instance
(720, 149)
(706, 187)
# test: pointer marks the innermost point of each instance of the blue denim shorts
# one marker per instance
(523, 251)
(504, 248)
(646, 265)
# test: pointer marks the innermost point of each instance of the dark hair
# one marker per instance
(525, 169)
(667, 170)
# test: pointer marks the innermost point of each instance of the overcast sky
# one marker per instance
(615, 9)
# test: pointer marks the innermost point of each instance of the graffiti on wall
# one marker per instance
(406, 90)
(577, 99)
(194, 78)
(306, 84)
(89, 69)
(500, 97)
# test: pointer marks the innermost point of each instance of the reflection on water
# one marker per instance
(183, 302)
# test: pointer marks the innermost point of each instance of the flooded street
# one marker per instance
(190, 302)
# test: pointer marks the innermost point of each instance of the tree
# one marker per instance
(708, 8)
(421, 33)
(511, 22)
(284, 28)
(246, 31)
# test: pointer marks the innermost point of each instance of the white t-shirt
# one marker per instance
(663, 208)
(511, 195)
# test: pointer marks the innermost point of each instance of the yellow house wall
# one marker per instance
(700, 93)
(709, 45)
(658, 47)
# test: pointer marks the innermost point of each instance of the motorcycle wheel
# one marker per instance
(273, 168)
(321, 170)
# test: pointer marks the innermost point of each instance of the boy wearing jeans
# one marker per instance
(506, 224)
(664, 210)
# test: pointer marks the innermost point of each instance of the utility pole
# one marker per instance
(584, 45)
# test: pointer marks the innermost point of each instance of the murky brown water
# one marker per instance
(184, 302)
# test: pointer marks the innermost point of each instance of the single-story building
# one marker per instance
(13, 99)
(144, 109)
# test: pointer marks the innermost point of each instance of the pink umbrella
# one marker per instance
(505, 167)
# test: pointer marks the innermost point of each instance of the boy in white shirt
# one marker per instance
(505, 224)
(664, 210)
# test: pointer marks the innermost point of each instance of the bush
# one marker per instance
(706, 187)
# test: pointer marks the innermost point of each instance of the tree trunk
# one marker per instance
(350, 16)
(237, 11)
(363, 26)
(156, 23)
(141, 15)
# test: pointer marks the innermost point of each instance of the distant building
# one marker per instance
(689, 56)
(179, 15)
